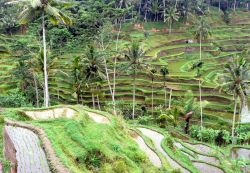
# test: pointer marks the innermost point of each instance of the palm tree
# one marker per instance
(201, 32)
(42, 8)
(152, 73)
(198, 66)
(171, 16)
(135, 55)
(235, 80)
(94, 69)
(77, 72)
(155, 9)
(164, 72)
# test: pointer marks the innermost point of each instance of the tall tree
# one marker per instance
(198, 66)
(104, 39)
(42, 8)
(201, 32)
(94, 70)
(171, 16)
(235, 80)
(155, 8)
(135, 55)
(164, 72)
(152, 73)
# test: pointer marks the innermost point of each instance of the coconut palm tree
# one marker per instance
(152, 73)
(235, 80)
(201, 32)
(171, 16)
(42, 8)
(198, 66)
(135, 55)
(155, 7)
(94, 69)
(164, 72)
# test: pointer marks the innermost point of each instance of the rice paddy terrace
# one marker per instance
(93, 141)
(161, 48)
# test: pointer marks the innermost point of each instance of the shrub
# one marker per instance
(93, 159)
(14, 99)
(145, 120)
(120, 166)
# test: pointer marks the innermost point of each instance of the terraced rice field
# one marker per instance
(157, 139)
(29, 153)
(160, 49)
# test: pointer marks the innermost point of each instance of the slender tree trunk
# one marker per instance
(164, 10)
(98, 102)
(133, 114)
(36, 89)
(165, 88)
(46, 92)
(145, 17)
(234, 116)
(170, 27)
(219, 5)
(170, 98)
(107, 76)
(201, 110)
(114, 75)
(93, 100)
(139, 10)
(200, 103)
(235, 4)
(152, 97)
(176, 1)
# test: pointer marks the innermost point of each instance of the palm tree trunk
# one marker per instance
(133, 113)
(139, 9)
(93, 100)
(201, 111)
(107, 76)
(98, 102)
(46, 92)
(165, 94)
(170, 27)
(234, 116)
(234, 5)
(176, 1)
(152, 97)
(170, 98)
(36, 89)
(219, 5)
(164, 10)
(114, 75)
(200, 103)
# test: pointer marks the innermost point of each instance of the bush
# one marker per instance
(14, 99)
(145, 120)
(120, 166)
(93, 159)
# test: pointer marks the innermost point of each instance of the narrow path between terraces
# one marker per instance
(157, 139)
(30, 156)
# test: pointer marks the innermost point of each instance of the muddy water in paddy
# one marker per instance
(206, 168)
(150, 153)
(29, 153)
(157, 138)
(238, 152)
